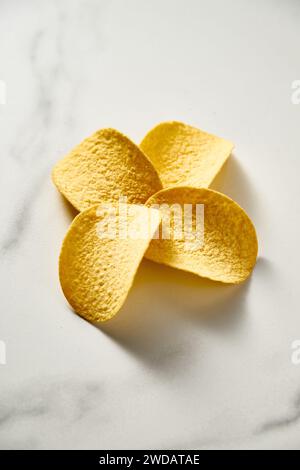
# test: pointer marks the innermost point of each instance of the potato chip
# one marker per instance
(184, 155)
(104, 167)
(98, 261)
(229, 249)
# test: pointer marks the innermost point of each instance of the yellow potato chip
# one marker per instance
(218, 240)
(104, 167)
(101, 254)
(184, 155)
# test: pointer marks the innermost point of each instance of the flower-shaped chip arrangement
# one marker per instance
(117, 184)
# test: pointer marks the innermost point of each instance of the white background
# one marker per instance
(161, 375)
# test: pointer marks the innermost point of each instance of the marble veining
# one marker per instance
(288, 420)
(187, 363)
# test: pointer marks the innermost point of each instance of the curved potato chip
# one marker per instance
(104, 167)
(98, 259)
(221, 246)
(184, 155)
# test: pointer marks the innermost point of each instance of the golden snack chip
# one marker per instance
(184, 155)
(224, 245)
(100, 255)
(104, 167)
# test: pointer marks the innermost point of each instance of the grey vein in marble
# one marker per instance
(290, 419)
(38, 400)
(21, 217)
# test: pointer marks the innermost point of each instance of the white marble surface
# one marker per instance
(160, 375)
